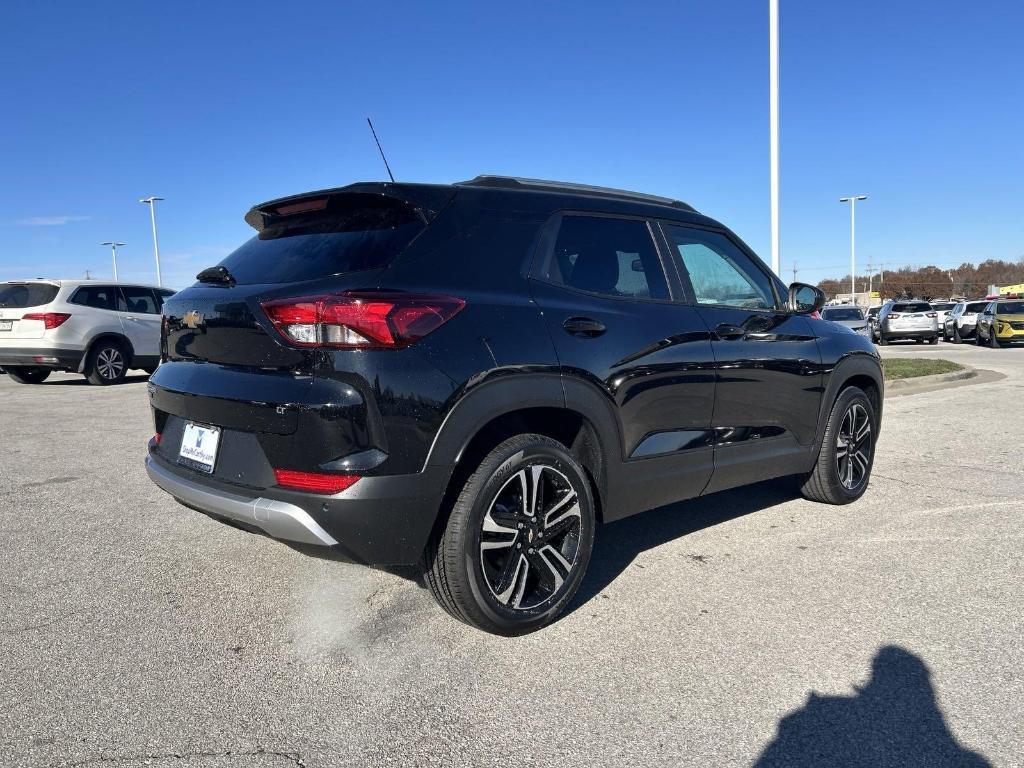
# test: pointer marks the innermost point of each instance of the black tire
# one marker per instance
(882, 340)
(28, 374)
(933, 340)
(107, 363)
(493, 591)
(957, 338)
(919, 341)
(824, 482)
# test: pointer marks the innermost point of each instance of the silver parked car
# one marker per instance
(908, 320)
(850, 316)
(86, 326)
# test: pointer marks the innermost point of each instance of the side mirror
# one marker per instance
(805, 299)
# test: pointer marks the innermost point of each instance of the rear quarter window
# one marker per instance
(24, 295)
(95, 296)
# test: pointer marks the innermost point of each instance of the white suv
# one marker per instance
(95, 328)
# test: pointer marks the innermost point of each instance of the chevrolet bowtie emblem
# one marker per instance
(193, 319)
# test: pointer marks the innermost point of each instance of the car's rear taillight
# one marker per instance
(313, 482)
(360, 320)
(893, 315)
(50, 319)
(930, 314)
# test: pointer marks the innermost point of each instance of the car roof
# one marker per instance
(75, 283)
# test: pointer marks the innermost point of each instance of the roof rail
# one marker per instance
(543, 185)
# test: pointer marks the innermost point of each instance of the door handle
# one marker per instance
(728, 332)
(584, 326)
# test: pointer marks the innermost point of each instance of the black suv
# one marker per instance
(470, 377)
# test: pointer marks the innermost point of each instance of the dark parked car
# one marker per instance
(468, 378)
(848, 316)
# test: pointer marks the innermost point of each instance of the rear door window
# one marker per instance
(137, 299)
(357, 233)
(607, 256)
(23, 295)
(162, 294)
(95, 296)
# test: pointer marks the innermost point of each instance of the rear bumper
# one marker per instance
(383, 520)
(918, 334)
(277, 519)
(59, 358)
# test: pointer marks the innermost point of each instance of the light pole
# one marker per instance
(151, 202)
(113, 252)
(853, 241)
(773, 125)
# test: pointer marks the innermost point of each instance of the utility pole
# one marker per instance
(852, 200)
(113, 253)
(151, 202)
(794, 270)
(773, 125)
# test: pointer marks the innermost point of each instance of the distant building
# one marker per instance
(862, 299)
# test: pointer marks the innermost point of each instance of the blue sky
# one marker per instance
(217, 106)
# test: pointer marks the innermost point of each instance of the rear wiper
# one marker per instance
(216, 275)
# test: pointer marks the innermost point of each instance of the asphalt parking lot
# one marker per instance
(750, 627)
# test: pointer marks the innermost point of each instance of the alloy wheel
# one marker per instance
(530, 538)
(110, 363)
(853, 447)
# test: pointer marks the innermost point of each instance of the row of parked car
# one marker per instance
(984, 321)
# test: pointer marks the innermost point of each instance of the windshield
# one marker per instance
(1010, 308)
(917, 306)
(361, 236)
(22, 295)
(845, 313)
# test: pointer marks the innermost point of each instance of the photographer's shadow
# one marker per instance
(894, 720)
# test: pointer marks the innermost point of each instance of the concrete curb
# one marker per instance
(917, 384)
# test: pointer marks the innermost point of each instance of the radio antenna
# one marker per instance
(379, 149)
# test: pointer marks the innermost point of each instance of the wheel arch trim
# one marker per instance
(849, 367)
(120, 338)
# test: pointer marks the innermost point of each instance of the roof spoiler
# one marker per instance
(426, 199)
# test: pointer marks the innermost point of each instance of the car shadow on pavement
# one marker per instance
(617, 544)
(81, 381)
(894, 720)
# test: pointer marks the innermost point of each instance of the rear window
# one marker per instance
(914, 306)
(842, 314)
(352, 237)
(22, 295)
(1010, 308)
(975, 307)
(942, 307)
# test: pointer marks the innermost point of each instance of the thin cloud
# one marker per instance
(51, 221)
